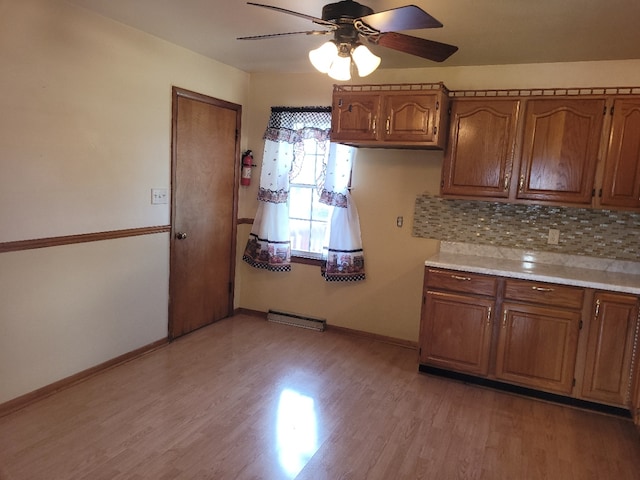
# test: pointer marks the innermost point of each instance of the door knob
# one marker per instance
(181, 235)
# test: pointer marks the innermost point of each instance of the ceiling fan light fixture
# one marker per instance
(323, 56)
(366, 62)
(340, 68)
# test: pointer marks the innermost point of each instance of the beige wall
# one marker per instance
(385, 185)
(85, 133)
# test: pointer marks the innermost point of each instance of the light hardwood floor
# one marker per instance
(249, 399)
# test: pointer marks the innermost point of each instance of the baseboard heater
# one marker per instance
(287, 318)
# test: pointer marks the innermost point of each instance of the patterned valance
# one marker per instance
(290, 124)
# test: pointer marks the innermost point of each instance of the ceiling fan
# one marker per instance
(353, 25)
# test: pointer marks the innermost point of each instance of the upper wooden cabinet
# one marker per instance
(560, 149)
(556, 149)
(355, 116)
(621, 181)
(390, 116)
(479, 155)
(547, 154)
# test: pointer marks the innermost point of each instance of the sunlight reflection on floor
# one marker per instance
(296, 431)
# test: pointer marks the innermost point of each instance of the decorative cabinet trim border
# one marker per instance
(546, 92)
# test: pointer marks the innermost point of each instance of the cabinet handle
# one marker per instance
(504, 319)
(597, 308)
(457, 277)
(542, 289)
(489, 317)
(374, 125)
(521, 184)
(506, 182)
(388, 125)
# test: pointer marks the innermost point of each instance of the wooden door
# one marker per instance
(355, 116)
(621, 183)
(205, 166)
(560, 150)
(610, 348)
(479, 157)
(456, 332)
(537, 347)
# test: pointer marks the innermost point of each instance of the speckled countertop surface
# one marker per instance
(599, 273)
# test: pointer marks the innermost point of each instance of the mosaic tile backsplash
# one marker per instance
(593, 233)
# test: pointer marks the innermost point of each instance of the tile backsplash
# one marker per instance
(583, 231)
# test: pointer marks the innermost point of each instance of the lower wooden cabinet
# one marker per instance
(537, 347)
(565, 340)
(457, 332)
(610, 348)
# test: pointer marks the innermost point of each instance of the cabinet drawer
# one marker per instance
(544, 293)
(461, 282)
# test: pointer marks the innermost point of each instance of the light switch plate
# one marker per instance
(159, 196)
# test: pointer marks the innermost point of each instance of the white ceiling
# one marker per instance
(487, 32)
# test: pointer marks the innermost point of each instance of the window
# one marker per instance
(307, 216)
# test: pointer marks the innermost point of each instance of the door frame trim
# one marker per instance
(176, 93)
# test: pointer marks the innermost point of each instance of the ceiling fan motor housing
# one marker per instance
(345, 9)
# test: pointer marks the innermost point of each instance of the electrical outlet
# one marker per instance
(159, 196)
(554, 236)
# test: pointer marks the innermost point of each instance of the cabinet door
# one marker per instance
(456, 332)
(537, 347)
(354, 116)
(410, 118)
(560, 149)
(621, 182)
(479, 156)
(610, 344)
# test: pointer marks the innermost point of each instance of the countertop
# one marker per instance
(602, 274)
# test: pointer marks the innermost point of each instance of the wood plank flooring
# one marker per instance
(249, 399)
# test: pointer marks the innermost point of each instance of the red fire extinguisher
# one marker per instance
(247, 165)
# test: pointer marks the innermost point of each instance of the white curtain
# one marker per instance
(269, 246)
(342, 255)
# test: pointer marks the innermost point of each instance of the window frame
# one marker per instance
(303, 256)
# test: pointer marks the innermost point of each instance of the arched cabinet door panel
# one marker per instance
(621, 181)
(480, 153)
(560, 150)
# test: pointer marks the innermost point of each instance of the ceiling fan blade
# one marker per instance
(274, 35)
(436, 51)
(317, 20)
(408, 17)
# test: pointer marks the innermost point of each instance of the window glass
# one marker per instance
(307, 216)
